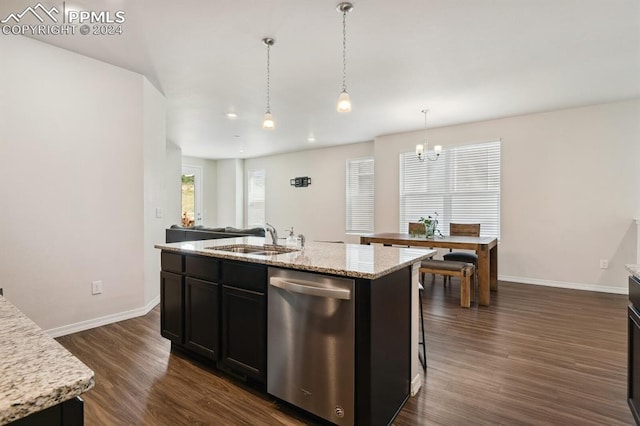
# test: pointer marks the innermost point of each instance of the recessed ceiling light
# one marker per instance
(232, 115)
(311, 139)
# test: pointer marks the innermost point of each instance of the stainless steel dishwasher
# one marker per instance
(310, 343)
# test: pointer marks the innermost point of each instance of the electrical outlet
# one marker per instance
(604, 264)
(96, 287)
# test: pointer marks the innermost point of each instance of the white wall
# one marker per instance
(173, 185)
(230, 199)
(72, 182)
(209, 188)
(570, 191)
(317, 211)
(155, 199)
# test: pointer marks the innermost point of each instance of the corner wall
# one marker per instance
(74, 140)
(155, 197)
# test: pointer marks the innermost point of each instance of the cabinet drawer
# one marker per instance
(172, 262)
(206, 268)
(245, 275)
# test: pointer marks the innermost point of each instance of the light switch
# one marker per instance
(158, 212)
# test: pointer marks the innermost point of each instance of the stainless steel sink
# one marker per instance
(266, 250)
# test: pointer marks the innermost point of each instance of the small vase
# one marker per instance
(430, 229)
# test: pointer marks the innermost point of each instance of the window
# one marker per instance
(463, 186)
(255, 198)
(360, 195)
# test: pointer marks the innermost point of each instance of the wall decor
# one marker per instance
(300, 182)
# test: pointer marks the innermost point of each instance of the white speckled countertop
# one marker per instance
(36, 372)
(349, 260)
(634, 269)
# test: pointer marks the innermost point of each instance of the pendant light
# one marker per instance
(344, 101)
(422, 150)
(267, 122)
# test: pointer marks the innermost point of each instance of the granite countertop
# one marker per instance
(634, 270)
(348, 260)
(36, 372)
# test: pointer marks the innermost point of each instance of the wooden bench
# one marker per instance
(465, 271)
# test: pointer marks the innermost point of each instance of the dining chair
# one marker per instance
(463, 230)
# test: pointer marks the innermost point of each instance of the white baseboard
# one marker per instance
(98, 322)
(416, 384)
(565, 284)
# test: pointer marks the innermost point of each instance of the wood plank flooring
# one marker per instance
(536, 356)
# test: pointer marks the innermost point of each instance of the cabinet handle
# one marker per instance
(309, 288)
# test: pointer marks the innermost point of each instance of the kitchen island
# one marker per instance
(40, 381)
(217, 297)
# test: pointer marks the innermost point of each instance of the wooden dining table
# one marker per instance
(485, 247)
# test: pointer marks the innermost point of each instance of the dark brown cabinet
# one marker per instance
(633, 373)
(244, 319)
(172, 306)
(244, 331)
(67, 413)
(216, 309)
(202, 317)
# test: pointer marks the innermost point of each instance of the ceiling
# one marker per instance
(464, 60)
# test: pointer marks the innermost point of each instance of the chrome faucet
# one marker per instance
(302, 240)
(272, 231)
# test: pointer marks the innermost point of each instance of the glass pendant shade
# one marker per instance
(344, 102)
(267, 122)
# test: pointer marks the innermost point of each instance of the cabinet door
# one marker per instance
(172, 306)
(244, 331)
(202, 317)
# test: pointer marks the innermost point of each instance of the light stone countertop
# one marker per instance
(348, 260)
(634, 270)
(36, 372)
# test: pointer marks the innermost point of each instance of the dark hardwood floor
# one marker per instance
(536, 356)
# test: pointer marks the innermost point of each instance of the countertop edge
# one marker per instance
(633, 269)
(22, 394)
(21, 410)
(296, 266)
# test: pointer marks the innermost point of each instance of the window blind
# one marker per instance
(255, 198)
(463, 186)
(360, 195)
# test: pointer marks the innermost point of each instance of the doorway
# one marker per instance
(191, 195)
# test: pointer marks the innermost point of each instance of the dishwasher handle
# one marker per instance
(309, 288)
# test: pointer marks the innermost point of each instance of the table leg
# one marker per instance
(493, 260)
(484, 277)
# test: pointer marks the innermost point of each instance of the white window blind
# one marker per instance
(463, 186)
(360, 195)
(255, 198)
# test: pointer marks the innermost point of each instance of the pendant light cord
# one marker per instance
(344, 51)
(268, 77)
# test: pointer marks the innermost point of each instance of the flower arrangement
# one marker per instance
(431, 225)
